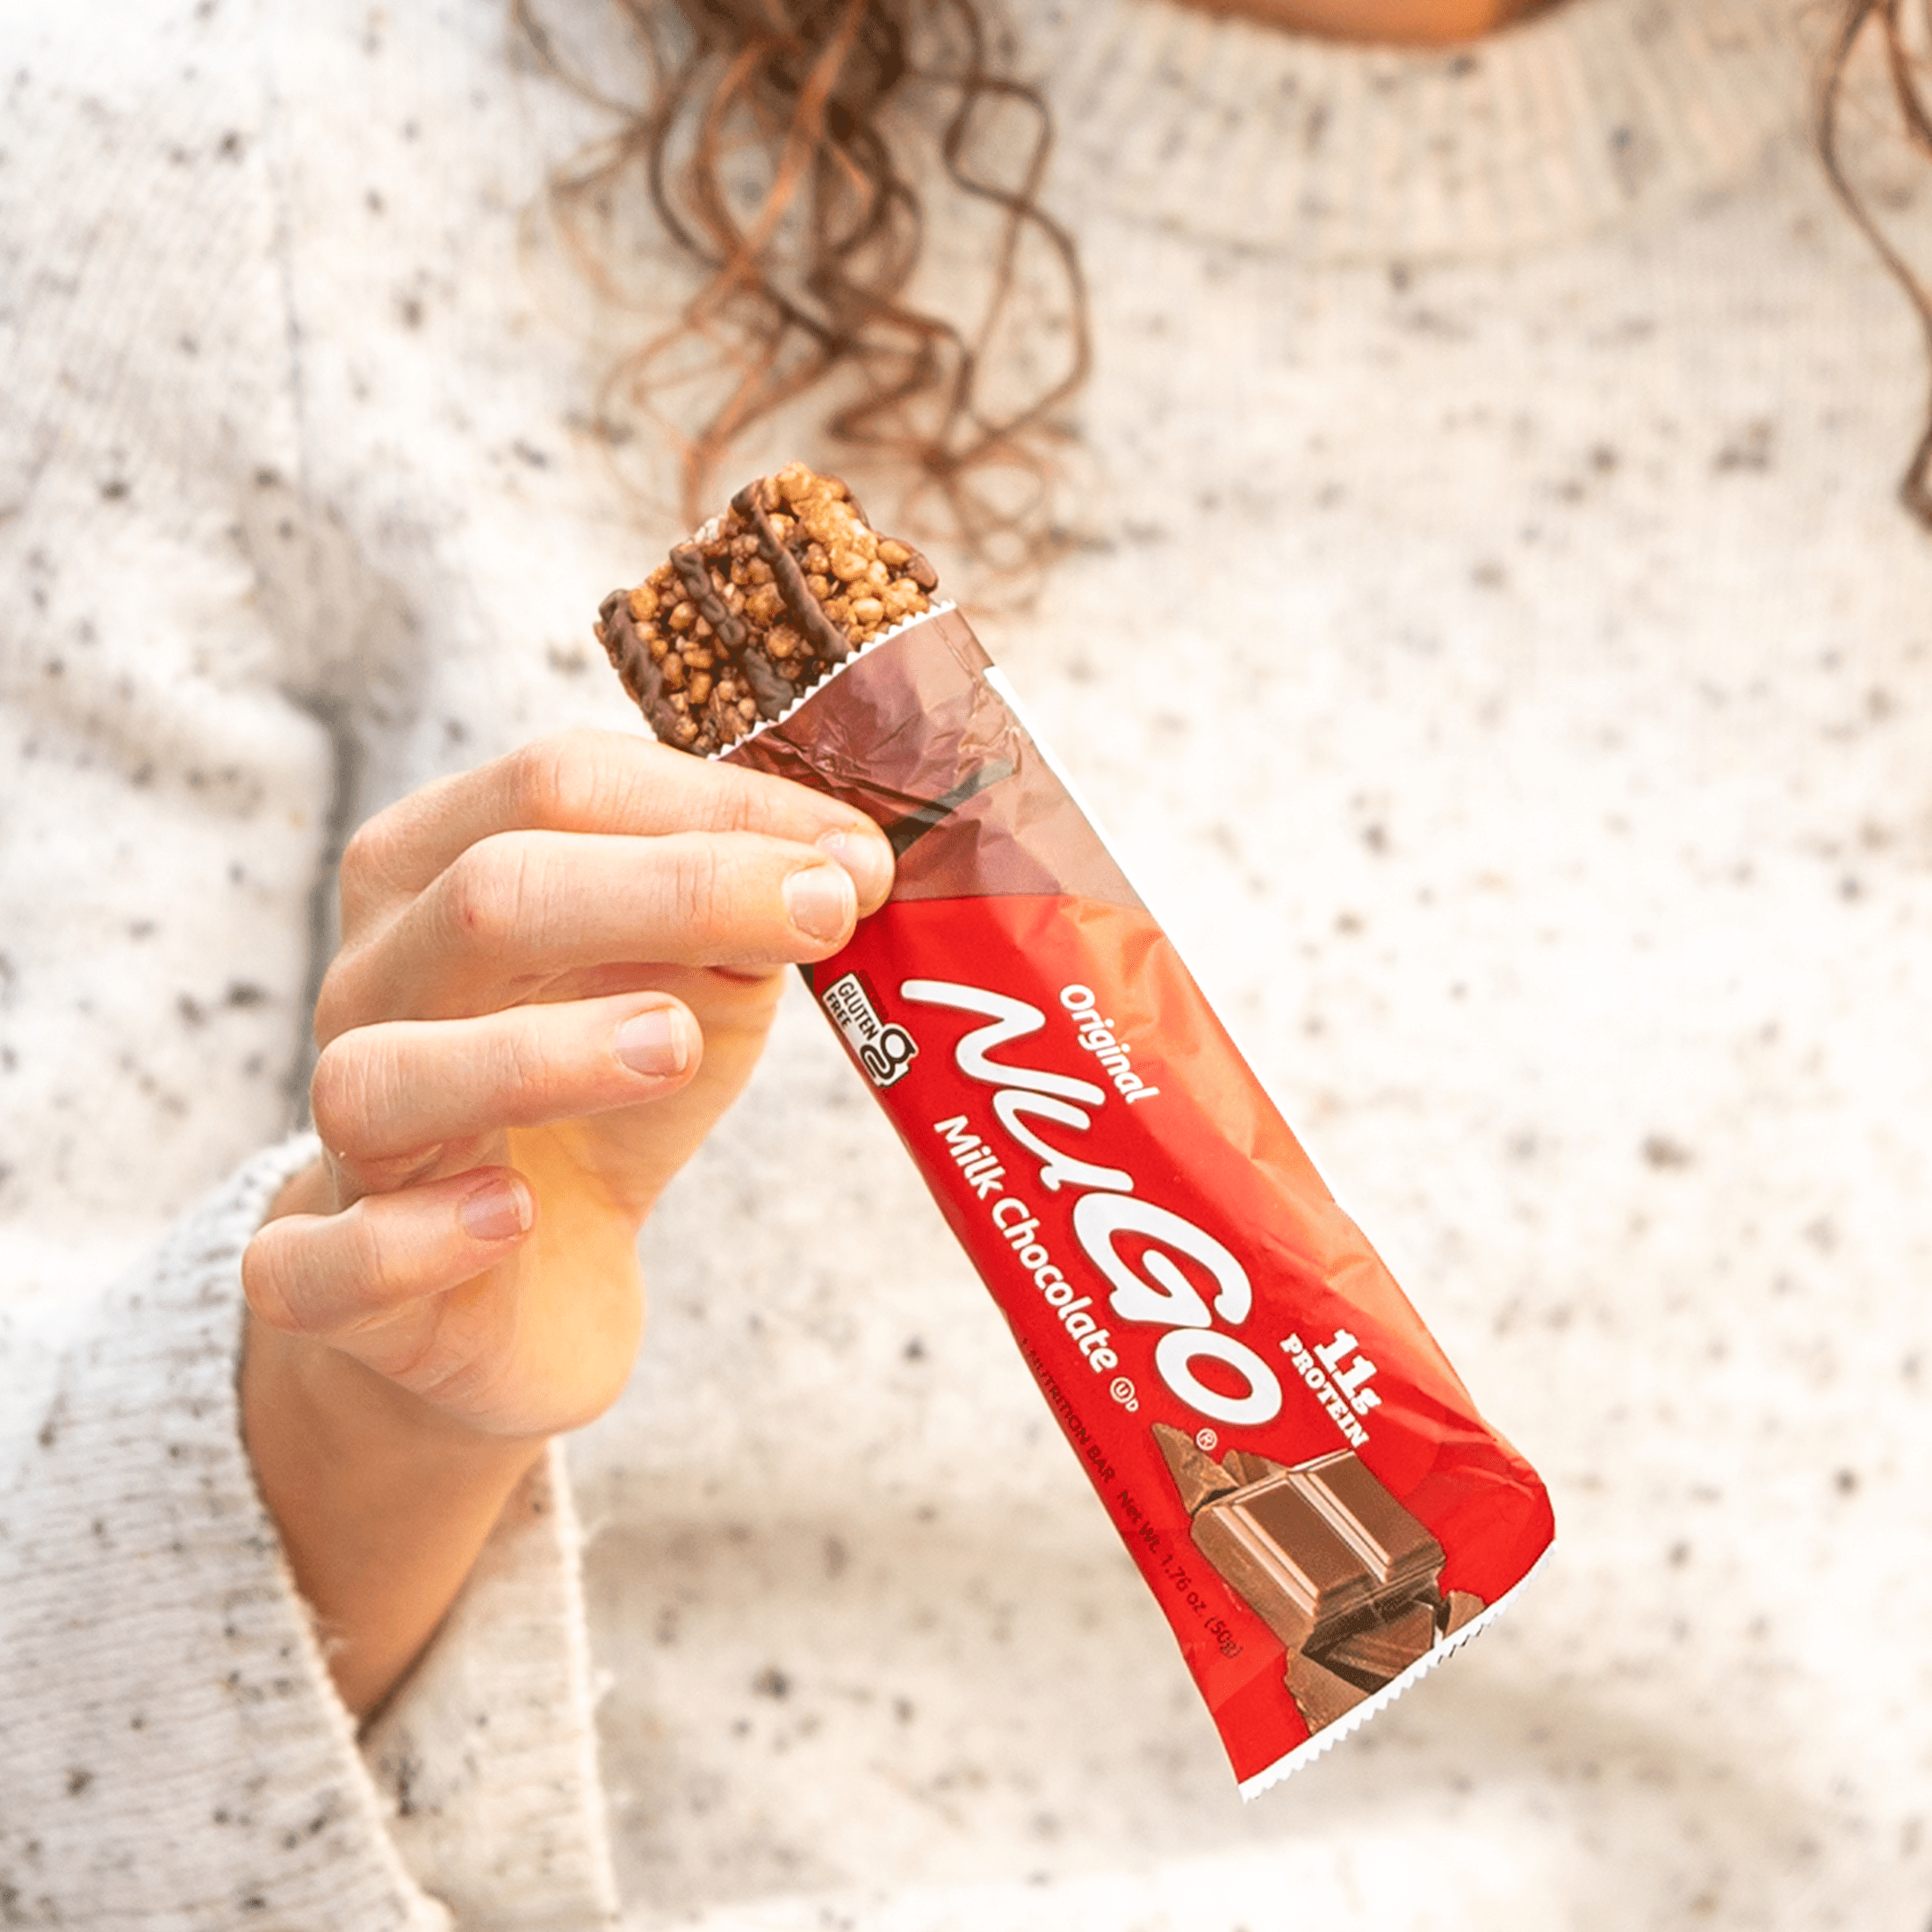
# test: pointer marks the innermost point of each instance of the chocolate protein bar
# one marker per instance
(1301, 1477)
(787, 583)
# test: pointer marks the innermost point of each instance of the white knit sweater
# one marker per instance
(1496, 449)
(175, 1754)
(226, 621)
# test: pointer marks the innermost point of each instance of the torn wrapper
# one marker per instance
(1302, 1480)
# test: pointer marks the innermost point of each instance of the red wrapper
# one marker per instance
(1301, 1478)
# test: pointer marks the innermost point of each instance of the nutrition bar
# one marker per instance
(1306, 1486)
(757, 608)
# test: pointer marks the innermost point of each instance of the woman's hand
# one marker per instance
(556, 973)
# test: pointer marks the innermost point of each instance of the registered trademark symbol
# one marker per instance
(1207, 1439)
(1122, 1392)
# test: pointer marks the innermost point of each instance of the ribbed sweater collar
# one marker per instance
(1557, 129)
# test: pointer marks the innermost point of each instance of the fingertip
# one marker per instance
(662, 1042)
(866, 857)
(501, 1208)
(261, 1277)
(822, 902)
(325, 1276)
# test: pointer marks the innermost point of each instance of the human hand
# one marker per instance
(556, 973)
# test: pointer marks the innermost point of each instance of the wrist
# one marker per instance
(382, 1502)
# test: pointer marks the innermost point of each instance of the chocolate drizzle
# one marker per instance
(631, 661)
(744, 618)
(689, 562)
(769, 687)
(801, 605)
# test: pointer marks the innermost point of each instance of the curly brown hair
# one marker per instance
(771, 140)
(771, 145)
(1893, 26)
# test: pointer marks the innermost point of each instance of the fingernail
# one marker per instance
(867, 860)
(497, 1210)
(821, 901)
(653, 1043)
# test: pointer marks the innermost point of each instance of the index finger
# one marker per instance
(600, 782)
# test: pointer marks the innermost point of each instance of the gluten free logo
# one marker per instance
(885, 1050)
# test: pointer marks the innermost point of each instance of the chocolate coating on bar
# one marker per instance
(767, 683)
(807, 612)
(757, 609)
(689, 562)
(618, 630)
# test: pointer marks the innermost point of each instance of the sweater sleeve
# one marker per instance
(176, 1755)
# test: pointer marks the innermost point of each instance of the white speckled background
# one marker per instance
(1493, 644)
